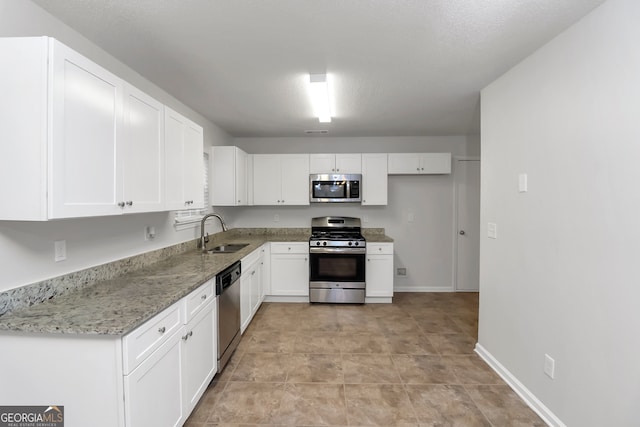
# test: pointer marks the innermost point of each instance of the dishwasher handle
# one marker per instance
(228, 277)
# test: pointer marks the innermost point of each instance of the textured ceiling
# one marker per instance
(398, 67)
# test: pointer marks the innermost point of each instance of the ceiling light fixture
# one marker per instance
(319, 90)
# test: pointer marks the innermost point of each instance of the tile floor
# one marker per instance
(410, 364)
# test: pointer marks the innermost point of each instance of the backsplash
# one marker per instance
(41, 291)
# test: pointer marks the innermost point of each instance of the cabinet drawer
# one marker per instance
(197, 299)
(250, 259)
(380, 248)
(144, 340)
(290, 248)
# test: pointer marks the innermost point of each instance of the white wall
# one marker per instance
(562, 276)
(26, 249)
(423, 246)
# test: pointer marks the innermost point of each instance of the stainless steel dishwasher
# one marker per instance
(228, 292)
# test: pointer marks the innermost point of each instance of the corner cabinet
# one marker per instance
(184, 166)
(280, 179)
(229, 176)
(419, 163)
(85, 143)
(379, 272)
(290, 269)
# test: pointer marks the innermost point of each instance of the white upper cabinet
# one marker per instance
(184, 164)
(82, 142)
(419, 163)
(86, 137)
(374, 179)
(143, 152)
(61, 123)
(281, 179)
(229, 176)
(335, 163)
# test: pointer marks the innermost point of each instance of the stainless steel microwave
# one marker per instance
(335, 188)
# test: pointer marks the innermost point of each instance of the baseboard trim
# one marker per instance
(277, 298)
(378, 300)
(423, 289)
(529, 398)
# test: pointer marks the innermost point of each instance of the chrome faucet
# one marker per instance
(205, 239)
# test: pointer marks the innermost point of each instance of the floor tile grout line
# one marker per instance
(466, 390)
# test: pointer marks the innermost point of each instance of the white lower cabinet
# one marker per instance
(290, 269)
(163, 389)
(379, 270)
(251, 287)
(199, 357)
(153, 391)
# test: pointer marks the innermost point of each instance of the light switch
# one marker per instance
(492, 230)
(522, 183)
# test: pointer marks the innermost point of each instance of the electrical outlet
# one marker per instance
(60, 250)
(276, 218)
(149, 233)
(365, 218)
(401, 271)
(549, 366)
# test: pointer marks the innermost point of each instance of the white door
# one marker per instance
(143, 159)
(85, 169)
(374, 179)
(295, 179)
(174, 160)
(467, 176)
(267, 180)
(193, 166)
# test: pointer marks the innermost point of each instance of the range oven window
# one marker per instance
(329, 189)
(337, 267)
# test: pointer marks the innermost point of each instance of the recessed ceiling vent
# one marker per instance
(316, 132)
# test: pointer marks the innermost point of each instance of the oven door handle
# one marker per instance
(325, 250)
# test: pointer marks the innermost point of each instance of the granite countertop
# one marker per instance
(119, 305)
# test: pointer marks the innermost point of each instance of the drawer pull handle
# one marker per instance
(162, 330)
(186, 337)
(203, 297)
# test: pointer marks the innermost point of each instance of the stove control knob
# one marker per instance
(317, 243)
(350, 243)
(356, 243)
(324, 243)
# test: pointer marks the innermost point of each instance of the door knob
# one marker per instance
(462, 232)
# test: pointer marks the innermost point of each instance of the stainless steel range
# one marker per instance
(336, 260)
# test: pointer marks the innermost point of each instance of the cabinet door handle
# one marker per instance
(121, 204)
(130, 203)
(162, 330)
(253, 272)
(203, 297)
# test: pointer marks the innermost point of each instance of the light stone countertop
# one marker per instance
(119, 305)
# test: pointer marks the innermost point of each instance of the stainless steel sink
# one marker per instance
(228, 248)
